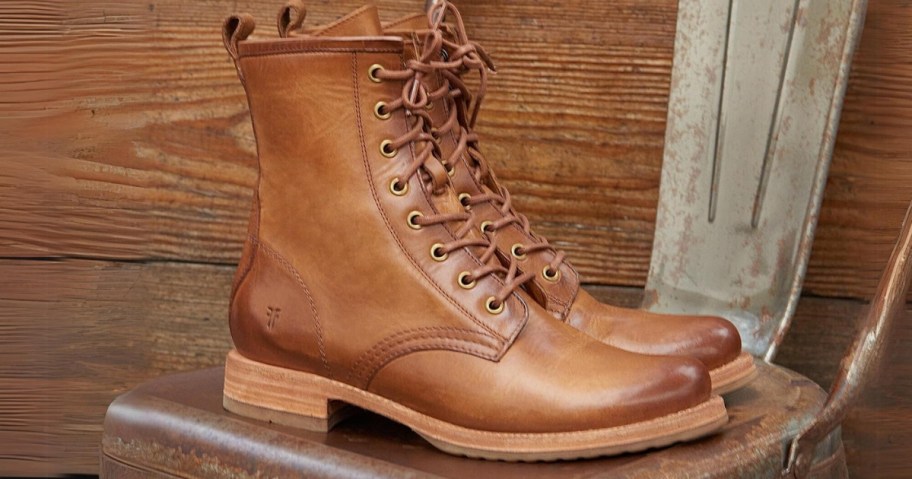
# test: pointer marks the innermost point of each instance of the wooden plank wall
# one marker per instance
(127, 159)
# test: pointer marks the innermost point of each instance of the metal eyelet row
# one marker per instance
(399, 188)
(462, 280)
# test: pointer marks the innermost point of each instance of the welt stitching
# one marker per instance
(423, 347)
(313, 306)
(386, 219)
(394, 340)
(297, 50)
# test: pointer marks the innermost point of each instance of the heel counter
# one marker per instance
(245, 264)
(273, 316)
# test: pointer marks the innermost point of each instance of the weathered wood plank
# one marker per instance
(75, 333)
(124, 133)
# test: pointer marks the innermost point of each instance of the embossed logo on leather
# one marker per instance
(272, 315)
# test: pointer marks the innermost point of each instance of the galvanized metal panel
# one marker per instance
(757, 89)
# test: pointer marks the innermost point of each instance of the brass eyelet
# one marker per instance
(515, 251)
(411, 220)
(450, 169)
(484, 226)
(386, 150)
(378, 111)
(372, 73)
(429, 106)
(462, 282)
(489, 305)
(551, 276)
(397, 188)
(464, 199)
(436, 254)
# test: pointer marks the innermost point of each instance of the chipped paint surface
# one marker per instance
(757, 89)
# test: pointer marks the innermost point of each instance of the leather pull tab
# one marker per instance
(291, 17)
(235, 29)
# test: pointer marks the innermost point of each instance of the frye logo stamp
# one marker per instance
(272, 315)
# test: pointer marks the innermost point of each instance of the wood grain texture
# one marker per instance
(127, 160)
(125, 134)
(74, 334)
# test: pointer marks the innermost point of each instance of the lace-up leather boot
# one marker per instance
(556, 284)
(363, 281)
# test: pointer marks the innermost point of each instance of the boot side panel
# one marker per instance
(326, 206)
(273, 316)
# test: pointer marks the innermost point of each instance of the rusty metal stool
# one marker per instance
(176, 427)
(782, 424)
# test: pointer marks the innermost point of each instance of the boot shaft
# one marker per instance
(331, 250)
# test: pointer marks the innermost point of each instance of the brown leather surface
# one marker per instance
(359, 297)
(712, 340)
(177, 423)
(542, 385)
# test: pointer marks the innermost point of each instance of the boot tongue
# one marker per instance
(406, 25)
(363, 22)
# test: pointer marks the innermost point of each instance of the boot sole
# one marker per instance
(734, 375)
(312, 402)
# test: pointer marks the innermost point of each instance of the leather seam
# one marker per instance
(393, 355)
(388, 343)
(574, 292)
(245, 269)
(289, 268)
(296, 50)
(386, 220)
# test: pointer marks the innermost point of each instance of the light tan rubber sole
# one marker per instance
(734, 375)
(312, 402)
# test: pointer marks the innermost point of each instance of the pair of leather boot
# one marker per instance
(386, 268)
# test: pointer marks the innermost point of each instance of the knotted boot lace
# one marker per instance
(431, 168)
(463, 56)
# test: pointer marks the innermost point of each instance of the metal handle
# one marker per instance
(428, 4)
(863, 356)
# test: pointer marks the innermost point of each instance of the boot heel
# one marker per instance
(280, 396)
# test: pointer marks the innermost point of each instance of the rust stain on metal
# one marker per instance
(863, 357)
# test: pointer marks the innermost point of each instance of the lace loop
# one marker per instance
(427, 158)
(466, 56)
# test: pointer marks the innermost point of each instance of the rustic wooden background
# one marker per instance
(126, 160)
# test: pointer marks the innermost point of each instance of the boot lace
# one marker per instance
(464, 56)
(428, 164)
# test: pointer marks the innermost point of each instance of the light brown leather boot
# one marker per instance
(362, 281)
(556, 284)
